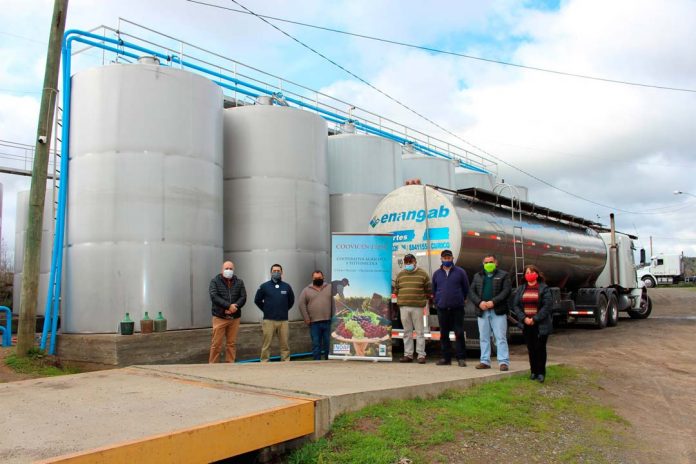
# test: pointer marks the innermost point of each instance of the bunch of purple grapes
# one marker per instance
(371, 330)
(342, 331)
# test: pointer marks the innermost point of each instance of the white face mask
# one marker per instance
(227, 273)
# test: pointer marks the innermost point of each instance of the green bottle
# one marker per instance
(146, 324)
(127, 325)
(160, 323)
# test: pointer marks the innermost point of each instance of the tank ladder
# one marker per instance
(517, 230)
(57, 141)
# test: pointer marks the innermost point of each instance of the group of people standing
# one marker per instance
(274, 298)
(490, 292)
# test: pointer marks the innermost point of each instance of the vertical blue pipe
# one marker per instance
(62, 194)
(57, 242)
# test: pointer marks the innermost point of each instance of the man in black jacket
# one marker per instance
(489, 293)
(275, 298)
(228, 295)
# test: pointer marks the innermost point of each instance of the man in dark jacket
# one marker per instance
(489, 293)
(450, 287)
(275, 298)
(228, 295)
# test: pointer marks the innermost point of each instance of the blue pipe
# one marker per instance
(54, 290)
(274, 358)
(7, 330)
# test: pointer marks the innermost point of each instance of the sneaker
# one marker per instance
(443, 362)
(540, 378)
(504, 367)
(533, 377)
(461, 363)
(421, 359)
(483, 366)
(406, 359)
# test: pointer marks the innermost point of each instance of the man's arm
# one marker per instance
(428, 285)
(258, 299)
(473, 292)
(241, 301)
(215, 297)
(304, 300)
(504, 292)
(291, 297)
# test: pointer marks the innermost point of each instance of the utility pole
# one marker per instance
(32, 242)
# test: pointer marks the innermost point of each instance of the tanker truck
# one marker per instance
(590, 267)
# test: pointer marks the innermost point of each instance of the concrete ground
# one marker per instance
(152, 413)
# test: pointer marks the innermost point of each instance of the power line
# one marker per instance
(538, 179)
(447, 52)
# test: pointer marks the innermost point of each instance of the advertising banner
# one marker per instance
(361, 288)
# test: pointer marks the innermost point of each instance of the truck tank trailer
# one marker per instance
(590, 268)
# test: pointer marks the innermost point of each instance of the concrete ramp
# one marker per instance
(202, 412)
(134, 416)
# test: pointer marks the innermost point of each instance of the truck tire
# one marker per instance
(648, 281)
(613, 312)
(644, 311)
(601, 312)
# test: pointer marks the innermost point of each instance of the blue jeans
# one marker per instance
(498, 324)
(320, 332)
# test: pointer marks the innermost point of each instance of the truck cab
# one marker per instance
(662, 269)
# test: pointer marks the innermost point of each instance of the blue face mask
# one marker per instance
(448, 263)
(409, 267)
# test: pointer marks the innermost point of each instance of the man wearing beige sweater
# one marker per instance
(315, 306)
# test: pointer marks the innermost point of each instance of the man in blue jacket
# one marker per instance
(450, 287)
(275, 298)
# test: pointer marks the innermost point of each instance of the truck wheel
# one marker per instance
(601, 312)
(613, 312)
(648, 281)
(644, 311)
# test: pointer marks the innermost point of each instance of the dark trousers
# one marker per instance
(320, 332)
(536, 347)
(452, 319)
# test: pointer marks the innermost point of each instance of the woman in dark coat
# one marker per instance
(532, 306)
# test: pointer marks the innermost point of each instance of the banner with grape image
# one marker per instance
(361, 287)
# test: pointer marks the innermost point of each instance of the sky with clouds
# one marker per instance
(625, 146)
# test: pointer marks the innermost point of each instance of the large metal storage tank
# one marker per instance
(466, 178)
(362, 169)
(276, 197)
(21, 224)
(145, 198)
(430, 170)
(428, 220)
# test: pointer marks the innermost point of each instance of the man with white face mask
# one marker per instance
(228, 295)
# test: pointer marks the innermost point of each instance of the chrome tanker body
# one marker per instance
(144, 225)
(474, 222)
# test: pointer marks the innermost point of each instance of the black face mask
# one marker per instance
(318, 282)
